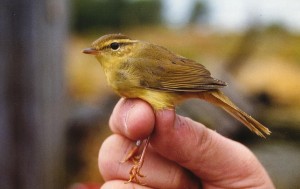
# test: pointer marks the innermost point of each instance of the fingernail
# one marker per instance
(127, 115)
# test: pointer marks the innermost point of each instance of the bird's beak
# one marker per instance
(91, 51)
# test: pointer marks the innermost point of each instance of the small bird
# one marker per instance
(138, 69)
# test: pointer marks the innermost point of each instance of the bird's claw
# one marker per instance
(135, 173)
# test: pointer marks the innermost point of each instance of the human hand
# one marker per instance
(182, 152)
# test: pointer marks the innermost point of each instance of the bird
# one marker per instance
(139, 69)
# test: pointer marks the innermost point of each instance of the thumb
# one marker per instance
(210, 156)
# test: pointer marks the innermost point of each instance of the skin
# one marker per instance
(182, 152)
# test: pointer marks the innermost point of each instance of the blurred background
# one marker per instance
(55, 102)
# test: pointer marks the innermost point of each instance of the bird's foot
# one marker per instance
(131, 155)
(135, 174)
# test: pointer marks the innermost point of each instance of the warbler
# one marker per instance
(138, 69)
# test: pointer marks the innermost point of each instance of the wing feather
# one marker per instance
(169, 72)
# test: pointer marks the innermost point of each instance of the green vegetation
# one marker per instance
(99, 14)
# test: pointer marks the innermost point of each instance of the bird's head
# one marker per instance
(112, 48)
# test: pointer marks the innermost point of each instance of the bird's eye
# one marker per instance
(114, 46)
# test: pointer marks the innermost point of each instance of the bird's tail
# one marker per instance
(218, 98)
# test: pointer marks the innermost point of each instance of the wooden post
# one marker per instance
(32, 104)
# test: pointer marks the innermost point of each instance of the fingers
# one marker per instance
(158, 170)
(210, 156)
(207, 154)
(120, 184)
(133, 118)
(218, 161)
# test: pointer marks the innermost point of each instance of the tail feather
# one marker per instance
(218, 98)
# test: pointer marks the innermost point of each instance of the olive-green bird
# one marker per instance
(138, 69)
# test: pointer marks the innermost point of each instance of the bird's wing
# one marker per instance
(169, 72)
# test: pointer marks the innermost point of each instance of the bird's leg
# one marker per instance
(135, 170)
(131, 155)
